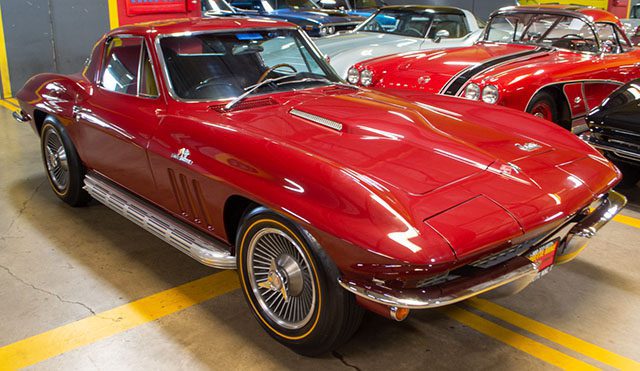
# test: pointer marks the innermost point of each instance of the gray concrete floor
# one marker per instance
(59, 265)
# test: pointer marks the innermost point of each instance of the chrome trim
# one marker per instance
(604, 147)
(21, 116)
(579, 236)
(512, 281)
(317, 119)
(204, 249)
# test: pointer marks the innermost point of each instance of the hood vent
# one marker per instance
(317, 119)
(248, 104)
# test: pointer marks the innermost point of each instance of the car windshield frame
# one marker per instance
(534, 16)
(331, 76)
(429, 12)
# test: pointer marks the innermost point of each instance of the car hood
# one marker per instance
(441, 65)
(435, 155)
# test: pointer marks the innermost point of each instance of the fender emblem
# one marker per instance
(528, 147)
(423, 80)
(182, 156)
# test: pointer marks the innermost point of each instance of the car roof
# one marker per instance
(417, 8)
(202, 24)
(592, 14)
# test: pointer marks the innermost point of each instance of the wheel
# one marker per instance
(544, 106)
(62, 164)
(291, 285)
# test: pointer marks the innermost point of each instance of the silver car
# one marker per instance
(399, 29)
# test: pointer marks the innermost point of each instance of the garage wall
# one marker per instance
(481, 8)
(50, 35)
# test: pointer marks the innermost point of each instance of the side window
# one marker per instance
(148, 87)
(127, 67)
(608, 39)
(454, 24)
(625, 46)
(120, 67)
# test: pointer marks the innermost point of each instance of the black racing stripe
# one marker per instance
(458, 82)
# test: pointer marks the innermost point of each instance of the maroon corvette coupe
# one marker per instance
(234, 141)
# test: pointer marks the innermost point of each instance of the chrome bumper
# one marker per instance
(581, 233)
(620, 152)
(21, 116)
(503, 279)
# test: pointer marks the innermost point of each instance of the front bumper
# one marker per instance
(502, 279)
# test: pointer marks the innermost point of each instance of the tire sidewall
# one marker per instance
(319, 332)
(73, 194)
(548, 99)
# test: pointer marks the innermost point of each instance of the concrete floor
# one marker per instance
(59, 265)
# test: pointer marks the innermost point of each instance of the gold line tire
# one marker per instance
(291, 285)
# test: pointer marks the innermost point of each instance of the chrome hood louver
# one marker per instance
(317, 119)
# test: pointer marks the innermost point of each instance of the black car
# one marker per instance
(305, 13)
(614, 129)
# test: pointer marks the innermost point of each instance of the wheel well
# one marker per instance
(38, 119)
(234, 209)
(564, 113)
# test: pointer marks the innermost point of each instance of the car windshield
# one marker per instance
(214, 66)
(542, 29)
(417, 23)
(294, 4)
(216, 6)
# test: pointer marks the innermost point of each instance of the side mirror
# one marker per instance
(442, 34)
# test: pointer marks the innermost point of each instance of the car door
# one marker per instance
(120, 114)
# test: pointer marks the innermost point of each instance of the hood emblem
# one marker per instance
(528, 147)
(510, 168)
(183, 156)
(423, 80)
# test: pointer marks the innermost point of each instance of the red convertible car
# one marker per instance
(556, 62)
(233, 140)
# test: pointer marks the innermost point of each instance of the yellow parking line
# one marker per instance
(74, 335)
(516, 340)
(8, 105)
(628, 220)
(4, 62)
(552, 334)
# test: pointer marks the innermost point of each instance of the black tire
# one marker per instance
(333, 316)
(70, 190)
(545, 99)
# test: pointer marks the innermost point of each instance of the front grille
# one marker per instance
(618, 139)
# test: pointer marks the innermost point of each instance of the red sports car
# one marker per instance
(556, 62)
(233, 140)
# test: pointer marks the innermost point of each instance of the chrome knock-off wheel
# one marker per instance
(55, 158)
(280, 278)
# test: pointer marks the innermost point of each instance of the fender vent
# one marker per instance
(317, 119)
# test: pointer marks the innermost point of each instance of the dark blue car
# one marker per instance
(311, 18)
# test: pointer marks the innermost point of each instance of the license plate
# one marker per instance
(544, 255)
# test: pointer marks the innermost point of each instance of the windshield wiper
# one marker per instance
(251, 89)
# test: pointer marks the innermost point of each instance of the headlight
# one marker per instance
(323, 31)
(366, 77)
(353, 75)
(472, 92)
(331, 30)
(490, 94)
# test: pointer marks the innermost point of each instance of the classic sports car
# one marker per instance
(234, 141)
(398, 29)
(614, 128)
(556, 62)
(311, 18)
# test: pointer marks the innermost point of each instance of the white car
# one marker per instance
(399, 29)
